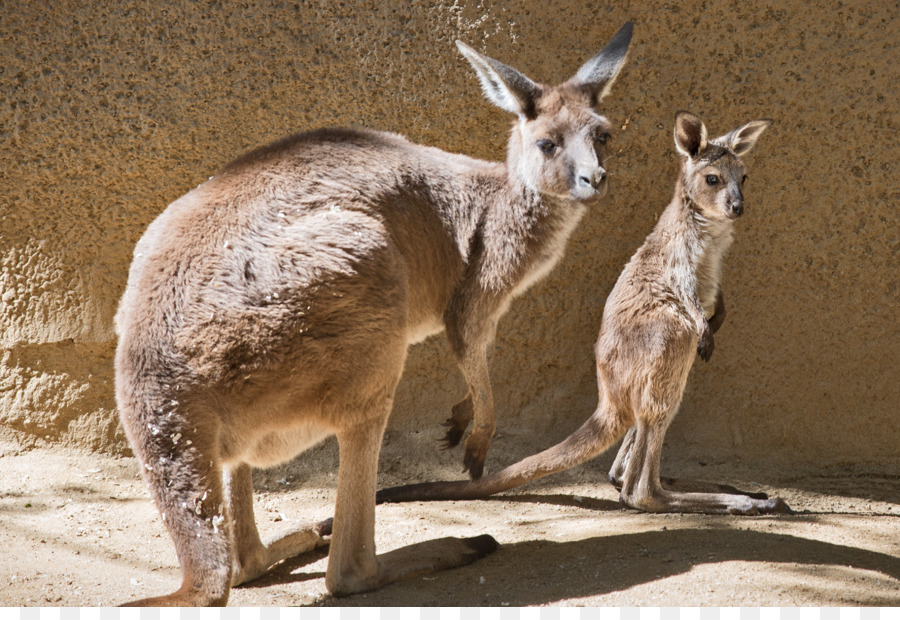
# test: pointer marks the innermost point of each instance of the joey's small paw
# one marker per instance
(705, 346)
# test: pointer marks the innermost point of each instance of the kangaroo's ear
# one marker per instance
(743, 139)
(598, 74)
(503, 85)
(690, 134)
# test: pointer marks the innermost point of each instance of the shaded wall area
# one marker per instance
(111, 110)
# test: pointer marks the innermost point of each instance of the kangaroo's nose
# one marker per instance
(593, 179)
(737, 207)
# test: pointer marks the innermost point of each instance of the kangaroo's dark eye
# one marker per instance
(743, 179)
(711, 179)
(546, 146)
(602, 138)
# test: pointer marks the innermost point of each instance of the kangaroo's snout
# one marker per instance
(735, 205)
(590, 183)
(594, 178)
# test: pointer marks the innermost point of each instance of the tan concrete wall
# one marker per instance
(110, 110)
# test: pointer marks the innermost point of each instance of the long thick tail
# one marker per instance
(594, 437)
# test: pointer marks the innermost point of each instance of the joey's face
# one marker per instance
(563, 150)
(715, 180)
(713, 172)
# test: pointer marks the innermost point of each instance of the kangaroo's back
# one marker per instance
(240, 262)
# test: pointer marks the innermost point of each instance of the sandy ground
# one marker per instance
(79, 530)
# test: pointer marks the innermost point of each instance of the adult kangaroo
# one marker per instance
(663, 310)
(273, 305)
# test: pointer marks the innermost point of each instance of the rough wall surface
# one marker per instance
(111, 110)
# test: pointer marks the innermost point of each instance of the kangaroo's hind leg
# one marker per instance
(252, 557)
(620, 464)
(181, 467)
(352, 563)
(617, 473)
(643, 489)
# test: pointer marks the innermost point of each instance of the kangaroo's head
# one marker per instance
(558, 144)
(713, 172)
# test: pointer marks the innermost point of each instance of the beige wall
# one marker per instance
(109, 111)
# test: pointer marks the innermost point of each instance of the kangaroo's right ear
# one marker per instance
(690, 134)
(744, 138)
(503, 85)
(598, 74)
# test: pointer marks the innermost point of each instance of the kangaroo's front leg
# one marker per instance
(705, 341)
(475, 367)
(470, 329)
(718, 317)
(460, 416)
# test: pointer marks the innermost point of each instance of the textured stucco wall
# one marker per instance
(111, 110)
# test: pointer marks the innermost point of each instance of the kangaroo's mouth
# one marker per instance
(590, 193)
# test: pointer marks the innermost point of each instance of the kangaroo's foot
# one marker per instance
(289, 543)
(415, 560)
(700, 486)
(662, 500)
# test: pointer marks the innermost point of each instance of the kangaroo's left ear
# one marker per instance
(743, 139)
(690, 134)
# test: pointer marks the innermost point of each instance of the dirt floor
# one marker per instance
(79, 530)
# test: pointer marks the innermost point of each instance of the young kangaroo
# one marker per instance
(273, 305)
(665, 306)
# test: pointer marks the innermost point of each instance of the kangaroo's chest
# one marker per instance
(709, 269)
(549, 248)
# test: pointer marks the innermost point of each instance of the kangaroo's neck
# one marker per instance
(523, 234)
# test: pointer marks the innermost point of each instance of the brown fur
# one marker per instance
(273, 305)
(665, 306)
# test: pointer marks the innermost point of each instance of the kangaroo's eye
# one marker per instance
(546, 146)
(711, 179)
(602, 138)
(744, 179)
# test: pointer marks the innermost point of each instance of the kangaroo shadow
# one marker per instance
(523, 573)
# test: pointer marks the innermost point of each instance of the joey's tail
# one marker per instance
(595, 436)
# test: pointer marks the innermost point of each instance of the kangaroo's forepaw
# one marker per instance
(476, 453)
(473, 462)
(453, 436)
(705, 345)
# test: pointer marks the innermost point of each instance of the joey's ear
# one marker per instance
(690, 134)
(743, 139)
(598, 74)
(503, 85)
